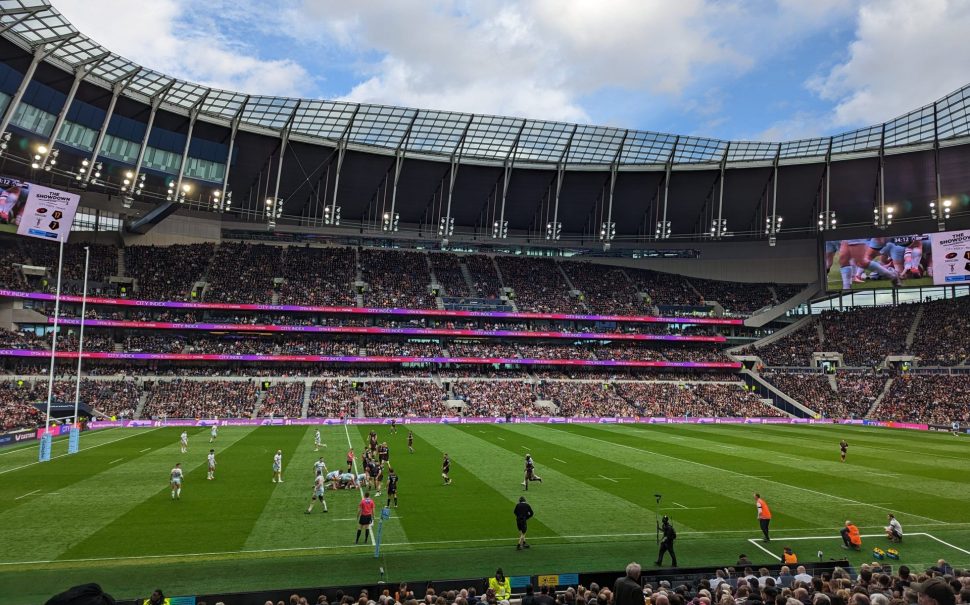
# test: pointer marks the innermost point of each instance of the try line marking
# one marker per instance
(28, 494)
(740, 474)
(756, 542)
(501, 540)
(10, 470)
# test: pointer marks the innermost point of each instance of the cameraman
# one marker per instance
(667, 542)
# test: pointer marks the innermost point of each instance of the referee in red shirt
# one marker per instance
(366, 513)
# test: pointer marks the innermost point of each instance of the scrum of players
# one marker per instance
(893, 258)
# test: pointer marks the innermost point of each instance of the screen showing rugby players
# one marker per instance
(906, 261)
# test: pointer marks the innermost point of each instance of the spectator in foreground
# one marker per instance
(85, 594)
(627, 590)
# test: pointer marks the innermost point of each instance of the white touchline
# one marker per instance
(558, 460)
(25, 495)
(727, 470)
(10, 470)
(608, 479)
(756, 541)
(118, 460)
(359, 488)
(346, 546)
(144, 450)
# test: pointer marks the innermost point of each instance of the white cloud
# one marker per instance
(535, 59)
(905, 54)
(157, 35)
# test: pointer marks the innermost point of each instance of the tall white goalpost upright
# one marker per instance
(74, 441)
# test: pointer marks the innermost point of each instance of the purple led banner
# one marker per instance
(99, 300)
(371, 359)
(164, 325)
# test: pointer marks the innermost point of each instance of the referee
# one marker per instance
(523, 512)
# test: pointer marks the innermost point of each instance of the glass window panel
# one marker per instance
(123, 150)
(30, 118)
(78, 136)
(205, 170)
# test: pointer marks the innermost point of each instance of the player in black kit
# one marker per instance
(411, 441)
(391, 486)
(445, 469)
(844, 447)
(530, 472)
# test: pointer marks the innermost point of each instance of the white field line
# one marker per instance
(607, 478)
(501, 438)
(27, 446)
(360, 488)
(28, 494)
(682, 507)
(10, 470)
(118, 460)
(504, 539)
(558, 460)
(144, 450)
(756, 542)
(525, 448)
(740, 474)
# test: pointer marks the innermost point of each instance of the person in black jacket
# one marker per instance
(667, 542)
(627, 590)
(523, 512)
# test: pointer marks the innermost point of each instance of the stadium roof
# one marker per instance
(442, 134)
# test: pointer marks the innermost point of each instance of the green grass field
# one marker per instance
(106, 515)
(834, 281)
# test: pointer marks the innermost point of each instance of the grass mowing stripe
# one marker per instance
(685, 483)
(883, 438)
(774, 481)
(561, 502)
(27, 456)
(476, 505)
(752, 445)
(907, 491)
(283, 522)
(146, 520)
(617, 480)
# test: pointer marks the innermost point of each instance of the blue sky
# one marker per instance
(738, 69)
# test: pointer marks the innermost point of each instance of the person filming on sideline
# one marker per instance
(667, 542)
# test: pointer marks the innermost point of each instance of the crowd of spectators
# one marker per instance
(243, 273)
(333, 398)
(538, 284)
(200, 399)
(386, 398)
(148, 342)
(930, 398)
(496, 397)
(284, 399)
(318, 276)
(167, 272)
(736, 298)
(447, 270)
(663, 288)
(396, 279)
(15, 411)
(865, 336)
(483, 274)
(586, 399)
(792, 350)
(855, 395)
(606, 291)
(943, 335)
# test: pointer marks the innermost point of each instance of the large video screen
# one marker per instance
(13, 198)
(907, 261)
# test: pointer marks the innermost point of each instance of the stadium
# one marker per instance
(670, 327)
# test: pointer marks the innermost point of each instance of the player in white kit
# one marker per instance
(213, 433)
(184, 442)
(317, 444)
(319, 467)
(176, 481)
(212, 465)
(278, 467)
(319, 488)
